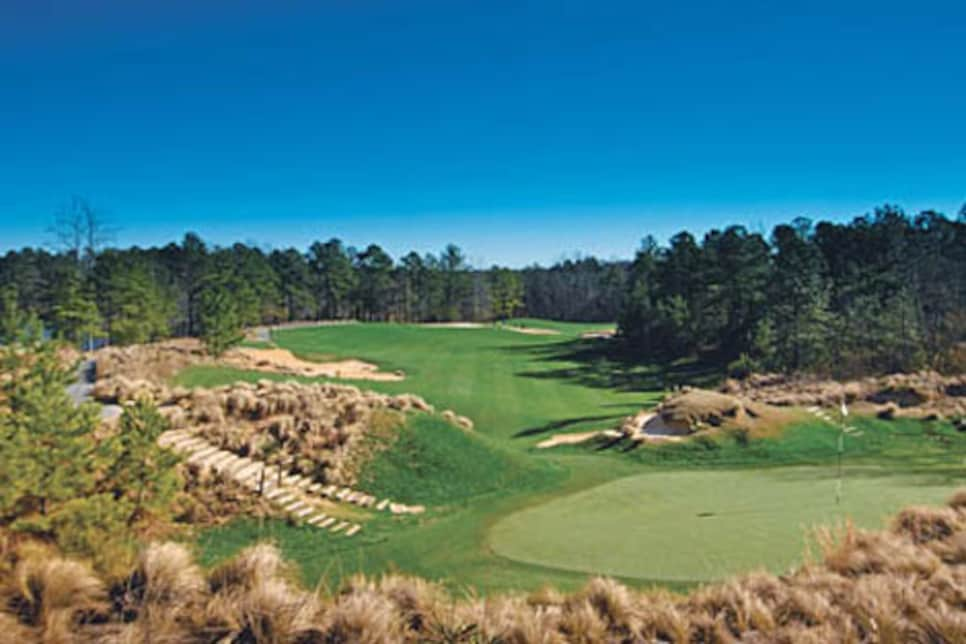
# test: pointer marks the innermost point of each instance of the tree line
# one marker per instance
(883, 292)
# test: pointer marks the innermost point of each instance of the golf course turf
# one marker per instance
(696, 526)
(504, 515)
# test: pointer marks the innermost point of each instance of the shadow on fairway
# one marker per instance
(607, 364)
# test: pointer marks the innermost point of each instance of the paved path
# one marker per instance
(80, 391)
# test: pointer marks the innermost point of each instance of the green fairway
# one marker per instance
(503, 515)
(697, 526)
(514, 386)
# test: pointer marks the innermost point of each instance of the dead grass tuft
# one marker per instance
(325, 431)
(53, 597)
(924, 394)
(906, 584)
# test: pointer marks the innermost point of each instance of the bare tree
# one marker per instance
(81, 231)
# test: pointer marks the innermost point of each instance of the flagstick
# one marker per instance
(844, 411)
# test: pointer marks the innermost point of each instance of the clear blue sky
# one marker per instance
(524, 131)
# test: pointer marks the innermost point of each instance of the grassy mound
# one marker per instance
(431, 462)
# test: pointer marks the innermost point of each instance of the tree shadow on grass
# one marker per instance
(608, 364)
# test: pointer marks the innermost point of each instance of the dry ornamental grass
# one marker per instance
(316, 430)
(926, 394)
(904, 584)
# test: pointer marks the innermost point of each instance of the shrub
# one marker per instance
(743, 367)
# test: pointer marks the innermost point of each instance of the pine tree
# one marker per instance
(48, 449)
(221, 326)
(506, 292)
(141, 473)
(76, 317)
(333, 277)
(13, 321)
(800, 299)
(140, 309)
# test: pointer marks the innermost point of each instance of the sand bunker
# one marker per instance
(530, 330)
(606, 334)
(649, 426)
(159, 361)
(480, 325)
(693, 410)
(283, 361)
(452, 325)
(575, 439)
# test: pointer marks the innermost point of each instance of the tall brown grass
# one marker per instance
(903, 584)
(325, 431)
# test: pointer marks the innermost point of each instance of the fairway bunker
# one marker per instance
(284, 361)
(526, 330)
(157, 362)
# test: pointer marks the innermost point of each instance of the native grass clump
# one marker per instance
(926, 395)
(903, 584)
(154, 362)
(325, 431)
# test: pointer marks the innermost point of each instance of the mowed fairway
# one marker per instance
(697, 526)
(505, 381)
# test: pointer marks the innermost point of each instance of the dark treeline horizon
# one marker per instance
(883, 292)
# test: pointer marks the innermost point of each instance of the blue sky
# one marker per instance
(523, 131)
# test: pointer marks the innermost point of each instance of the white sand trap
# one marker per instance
(452, 325)
(566, 439)
(599, 335)
(649, 426)
(575, 439)
(529, 330)
(283, 361)
(480, 325)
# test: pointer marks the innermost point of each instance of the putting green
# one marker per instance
(697, 526)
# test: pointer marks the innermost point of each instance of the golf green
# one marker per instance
(697, 526)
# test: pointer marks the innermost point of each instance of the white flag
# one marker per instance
(845, 410)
